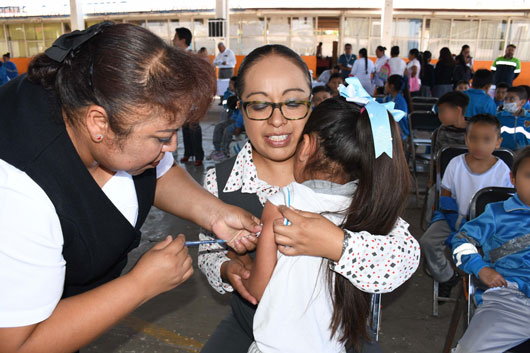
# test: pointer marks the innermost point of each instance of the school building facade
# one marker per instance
(26, 31)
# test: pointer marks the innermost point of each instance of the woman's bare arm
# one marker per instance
(78, 320)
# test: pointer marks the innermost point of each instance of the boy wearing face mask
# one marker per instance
(515, 120)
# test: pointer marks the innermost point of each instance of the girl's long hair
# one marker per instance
(344, 138)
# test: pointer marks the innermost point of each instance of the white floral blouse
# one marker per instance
(372, 263)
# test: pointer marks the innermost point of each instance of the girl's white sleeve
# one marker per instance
(212, 256)
(32, 268)
(379, 263)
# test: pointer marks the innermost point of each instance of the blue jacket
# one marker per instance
(500, 222)
(515, 130)
(400, 104)
(479, 103)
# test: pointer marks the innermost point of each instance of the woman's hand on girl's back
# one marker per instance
(236, 272)
(164, 267)
(308, 234)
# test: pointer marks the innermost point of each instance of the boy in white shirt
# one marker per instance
(464, 176)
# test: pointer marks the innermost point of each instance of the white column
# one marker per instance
(222, 11)
(76, 15)
(386, 23)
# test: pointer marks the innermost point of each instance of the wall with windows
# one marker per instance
(486, 35)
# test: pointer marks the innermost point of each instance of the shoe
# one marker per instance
(198, 163)
(210, 156)
(444, 288)
(184, 159)
(218, 156)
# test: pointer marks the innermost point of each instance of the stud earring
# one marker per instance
(99, 137)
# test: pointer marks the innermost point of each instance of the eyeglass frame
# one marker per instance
(274, 105)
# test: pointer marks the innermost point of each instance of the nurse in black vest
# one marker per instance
(85, 150)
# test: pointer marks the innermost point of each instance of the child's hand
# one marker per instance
(237, 272)
(492, 278)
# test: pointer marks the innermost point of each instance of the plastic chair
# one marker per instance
(425, 121)
(374, 320)
(443, 158)
(430, 100)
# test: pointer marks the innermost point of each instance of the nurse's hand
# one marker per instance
(308, 234)
(164, 267)
(237, 226)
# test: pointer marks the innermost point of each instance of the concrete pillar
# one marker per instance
(76, 15)
(386, 23)
(222, 11)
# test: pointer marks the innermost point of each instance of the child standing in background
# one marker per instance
(342, 172)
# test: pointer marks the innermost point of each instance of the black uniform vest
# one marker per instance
(242, 309)
(97, 237)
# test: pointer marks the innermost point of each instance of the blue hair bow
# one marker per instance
(378, 113)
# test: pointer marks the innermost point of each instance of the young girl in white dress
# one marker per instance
(350, 167)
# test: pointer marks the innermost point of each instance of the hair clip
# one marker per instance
(69, 42)
(377, 112)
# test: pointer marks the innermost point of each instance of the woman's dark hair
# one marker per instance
(464, 47)
(415, 52)
(381, 48)
(262, 52)
(364, 54)
(394, 51)
(124, 69)
(446, 58)
(519, 157)
(460, 60)
(345, 145)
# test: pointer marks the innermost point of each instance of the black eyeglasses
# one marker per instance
(290, 110)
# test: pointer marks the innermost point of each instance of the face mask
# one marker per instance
(511, 107)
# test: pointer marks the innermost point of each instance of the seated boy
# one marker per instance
(515, 120)
(218, 132)
(320, 94)
(502, 319)
(451, 108)
(234, 129)
(500, 93)
(479, 101)
(463, 177)
(462, 86)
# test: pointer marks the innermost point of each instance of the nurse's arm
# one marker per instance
(78, 320)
